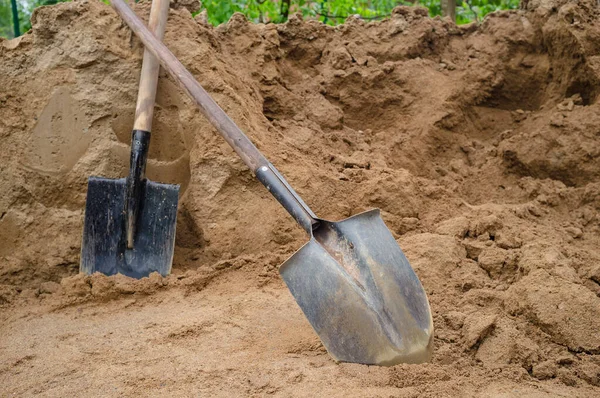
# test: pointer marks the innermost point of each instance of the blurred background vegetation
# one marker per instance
(24, 10)
(276, 11)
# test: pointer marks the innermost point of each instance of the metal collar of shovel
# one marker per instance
(351, 279)
(140, 143)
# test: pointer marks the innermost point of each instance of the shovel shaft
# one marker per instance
(226, 127)
(240, 143)
(144, 110)
(140, 138)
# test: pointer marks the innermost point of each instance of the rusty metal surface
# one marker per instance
(360, 294)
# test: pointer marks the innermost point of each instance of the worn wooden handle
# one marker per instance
(144, 110)
(211, 110)
(241, 144)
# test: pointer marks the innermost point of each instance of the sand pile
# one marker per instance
(480, 144)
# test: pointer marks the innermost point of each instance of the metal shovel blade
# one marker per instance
(104, 248)
(360, 294)
(351, 279)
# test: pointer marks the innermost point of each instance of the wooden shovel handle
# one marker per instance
(144, 110)
(241, 144)
(210, 109)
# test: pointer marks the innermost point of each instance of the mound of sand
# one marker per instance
(479, 143)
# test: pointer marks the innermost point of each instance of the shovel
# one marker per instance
(351, 279)
(129, 225)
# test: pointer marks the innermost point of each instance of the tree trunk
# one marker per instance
(449, 9)
(284, 10)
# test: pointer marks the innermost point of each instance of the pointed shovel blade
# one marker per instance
(104, 247)
(360, 294)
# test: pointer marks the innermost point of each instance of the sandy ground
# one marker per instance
(479, 143)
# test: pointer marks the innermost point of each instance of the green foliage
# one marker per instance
(220, 11)
(331, 12)
(475, 10)
(25, 8)
(336, 11)
(6, 25)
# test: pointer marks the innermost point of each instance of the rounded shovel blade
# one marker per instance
(360, 294)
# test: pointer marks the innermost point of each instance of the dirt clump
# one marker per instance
(479, 143)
